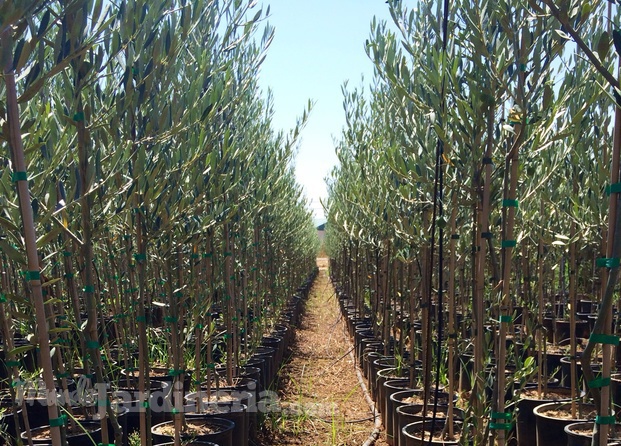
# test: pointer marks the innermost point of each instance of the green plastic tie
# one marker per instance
(211, 366)
(613, 188)
(228, 336)
(12, 363)
(454, 236)
(175, 372)
(600, 419)
(92, 344)
(501, 426)
(19, 176)
(227, 254)
(78, 117)
(171, 319)
(197, 382)
(17, 383)
(62, 375)
(102, 403)
(598, 383)
(141, 319)
(67, 253)
(207, 254)
(501, 415)
(510, 203)
(175, 411)
(509, 243)
(2, 298)
(58, 422)
(32, 275)
(199, 326)
(88, 289)
(506, 318)
(140, 257)
(612, 262)
(600, 338)
(194, 256)
(68, 276)
(145, 404)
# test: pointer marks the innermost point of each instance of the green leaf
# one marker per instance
(20, 350)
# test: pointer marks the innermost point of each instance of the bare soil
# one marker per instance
(321, 400)
(193, 428)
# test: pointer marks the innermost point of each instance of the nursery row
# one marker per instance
(474, 216)
(150, 222)
(217, 411)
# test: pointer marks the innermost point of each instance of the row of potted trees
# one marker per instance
(151, 228)
(473, 217)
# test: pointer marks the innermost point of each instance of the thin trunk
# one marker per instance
(25, 207)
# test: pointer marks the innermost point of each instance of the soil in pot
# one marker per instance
(528, 400)
(216, 430)
(81, 436)
(581, 434)
(551, 419)
(418, 434)
(405, 415)
(389, 387)
(192, 443)
(237, 415)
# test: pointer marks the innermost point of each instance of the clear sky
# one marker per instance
(318, 45)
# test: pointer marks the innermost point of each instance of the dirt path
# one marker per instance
(322, 402)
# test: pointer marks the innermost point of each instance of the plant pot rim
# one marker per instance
(95, 424)
(439, 422)
(222, 422)
(568, 429)
(541, 410)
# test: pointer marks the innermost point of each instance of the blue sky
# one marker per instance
(318, 45)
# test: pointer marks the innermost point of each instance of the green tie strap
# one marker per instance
(599, 419)
(19, 176)
(612, 262)
(598, 383)
(32, 275)
(58, 422)
(510, 203)
(600, 338)
(509, 243)
(613, 188)
(501, 415)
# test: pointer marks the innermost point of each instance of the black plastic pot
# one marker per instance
(194, 443)
(122, 414)
(409, 414)
(77, 439)
(388, 375)
(222, 437)
(580, 439)
(268, 354)
(551, 431)
(412, 433)
(391, 386)
(526, 422)
(235, 413)
(158, 402)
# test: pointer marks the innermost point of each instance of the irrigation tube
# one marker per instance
(374, 435)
